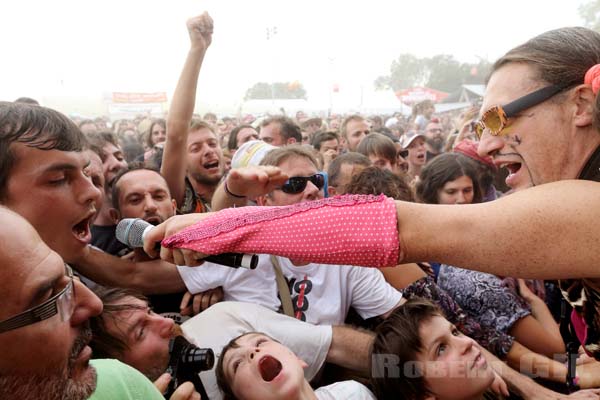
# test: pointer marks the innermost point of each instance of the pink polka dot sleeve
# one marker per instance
(352, 229)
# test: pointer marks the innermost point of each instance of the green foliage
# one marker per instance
(590, 13)
(441, 72)
(277, 90)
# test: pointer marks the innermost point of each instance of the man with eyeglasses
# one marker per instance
(540, 121)
(434, 139)
(45, 330)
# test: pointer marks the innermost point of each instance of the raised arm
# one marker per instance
(182, 106)
(245, 184)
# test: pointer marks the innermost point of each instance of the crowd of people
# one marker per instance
(482, 226)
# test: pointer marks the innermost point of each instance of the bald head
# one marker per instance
(44, 357)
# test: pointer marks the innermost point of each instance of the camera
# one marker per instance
(185, 363)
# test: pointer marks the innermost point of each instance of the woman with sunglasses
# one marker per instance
(449, 179)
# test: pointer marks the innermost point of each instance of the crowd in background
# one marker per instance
(325, 327)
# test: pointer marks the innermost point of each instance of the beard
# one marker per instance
(57, 386)
(206, 179)
(436, 143)
(43, 387)
(161, 362)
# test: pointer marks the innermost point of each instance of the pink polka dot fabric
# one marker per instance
(350, 230)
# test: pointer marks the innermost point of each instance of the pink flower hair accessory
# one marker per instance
(592, 77)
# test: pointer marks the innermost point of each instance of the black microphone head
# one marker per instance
(130, 232)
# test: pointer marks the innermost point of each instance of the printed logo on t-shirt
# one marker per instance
(299, 289)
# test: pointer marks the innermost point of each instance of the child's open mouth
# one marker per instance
(269, 368)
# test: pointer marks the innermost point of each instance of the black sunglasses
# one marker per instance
(297, 184)
(403, 153)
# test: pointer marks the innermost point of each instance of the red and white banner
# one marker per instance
(416, 94)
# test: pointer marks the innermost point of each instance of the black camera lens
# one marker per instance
(197, 358)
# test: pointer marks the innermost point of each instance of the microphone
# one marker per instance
(131, 232)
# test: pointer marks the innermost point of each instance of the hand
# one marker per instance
(328, 156)
(525, 292)
(499, 386)
(170, 227)
(185, 391)
(200, 29)
(255, 181)
(200, 301)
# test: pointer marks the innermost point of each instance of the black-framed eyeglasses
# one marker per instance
(63, 303)
(496, 118)
(297, 184)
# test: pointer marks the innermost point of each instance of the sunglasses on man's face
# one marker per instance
(297, 184)
(495, 119)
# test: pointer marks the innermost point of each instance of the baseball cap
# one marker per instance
(409, 137)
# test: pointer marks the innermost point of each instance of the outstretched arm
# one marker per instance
(182, 106)
(521, 235)
(149, 277)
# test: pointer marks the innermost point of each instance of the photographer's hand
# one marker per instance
(183, 392)
(192, 304)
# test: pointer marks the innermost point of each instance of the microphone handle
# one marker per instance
(233, 260)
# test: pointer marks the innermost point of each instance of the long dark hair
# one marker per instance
(443, 169)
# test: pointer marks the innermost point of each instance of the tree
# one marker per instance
(590, 13)
(441, 72)
(405, 72)
(277, 90)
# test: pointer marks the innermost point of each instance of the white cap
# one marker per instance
(250, 153)
(409, 137)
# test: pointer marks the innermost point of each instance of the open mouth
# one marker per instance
(269, 368)
(513, 168)
(154, 220)
(211, 165)
(421, 156)
(81, 230)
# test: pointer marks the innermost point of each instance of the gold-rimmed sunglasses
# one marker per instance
(494, 120)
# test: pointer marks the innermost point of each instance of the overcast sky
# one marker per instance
(75, 48)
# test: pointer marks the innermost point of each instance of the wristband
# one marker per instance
(237, 196)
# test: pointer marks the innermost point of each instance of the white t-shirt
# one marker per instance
(216, 326)
(329, 290)
(347, 390)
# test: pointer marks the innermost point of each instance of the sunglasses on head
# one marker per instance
(496, 118)
(297, 184)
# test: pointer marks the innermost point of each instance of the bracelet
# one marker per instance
(237, 196)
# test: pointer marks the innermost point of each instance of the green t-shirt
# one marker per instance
(118, 381)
